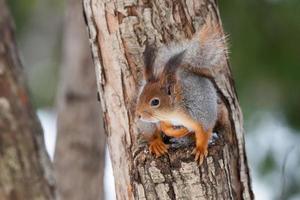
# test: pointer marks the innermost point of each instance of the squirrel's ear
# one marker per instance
(169, 72)
(173, 63)
(149, 58)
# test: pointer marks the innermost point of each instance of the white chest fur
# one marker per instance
(176, 121)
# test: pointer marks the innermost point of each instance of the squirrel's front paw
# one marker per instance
(200, 153)
(157, 147)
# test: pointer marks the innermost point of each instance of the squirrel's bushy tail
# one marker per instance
(208, 48)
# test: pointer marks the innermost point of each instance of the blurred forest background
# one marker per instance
(265, 59)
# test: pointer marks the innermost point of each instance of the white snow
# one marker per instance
(48, 121)
(272, 134)
(109, 183)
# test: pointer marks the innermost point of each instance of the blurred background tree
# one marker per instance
(39, 30)
(80, 147)
(265, 59)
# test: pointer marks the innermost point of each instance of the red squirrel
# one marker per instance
(175, 94)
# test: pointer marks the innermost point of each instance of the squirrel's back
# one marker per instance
(199, 98)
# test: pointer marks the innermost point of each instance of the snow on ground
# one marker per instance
(109, 183)
(48, 121)
(270, 134)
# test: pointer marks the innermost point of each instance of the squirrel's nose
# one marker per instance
(139, 116)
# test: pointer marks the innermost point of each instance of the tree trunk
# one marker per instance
(79, 155)
(24, 163)
(118, 32)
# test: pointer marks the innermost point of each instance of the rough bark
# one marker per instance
(118, 31)
(79, 155)
(24, 164)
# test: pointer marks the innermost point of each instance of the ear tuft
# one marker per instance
(174, 62)
(149, 58)
(168, 77)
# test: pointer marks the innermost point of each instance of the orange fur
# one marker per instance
(209, 31)
(169, 130)
(201, 149)
(156, 145)
(201, 136)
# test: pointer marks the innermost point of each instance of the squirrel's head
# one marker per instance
(158, 95)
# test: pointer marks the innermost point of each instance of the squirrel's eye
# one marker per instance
(154, 102)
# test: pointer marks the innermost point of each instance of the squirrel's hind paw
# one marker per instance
(200, 153)
(158, 148)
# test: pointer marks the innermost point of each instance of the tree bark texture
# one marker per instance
(25, 168)
(80, 149)
(118, 31)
